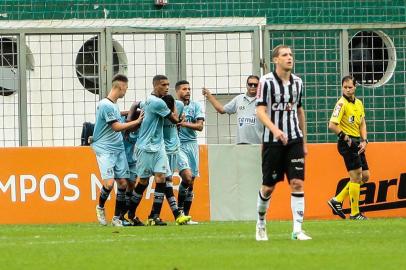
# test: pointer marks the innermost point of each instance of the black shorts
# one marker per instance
(278, 160)
(352, 159)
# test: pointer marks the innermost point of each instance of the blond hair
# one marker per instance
(277, 49)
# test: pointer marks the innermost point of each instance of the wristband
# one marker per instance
(366, 141)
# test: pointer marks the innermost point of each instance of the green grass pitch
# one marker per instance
(338, 244)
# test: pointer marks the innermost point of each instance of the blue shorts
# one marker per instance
(113, 165)
(191, 151)
(132, 162)
(133, 171)
(149, 163)
(177, 162)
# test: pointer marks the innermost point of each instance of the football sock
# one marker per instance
(120, 202)
(128, 195)
(171, 199)
(159, 194)
(262, 206)
(136, 199)
(182, 194)
(297, 205)
(354, 191)
(188, 201)
(343, 193)
(104, 195)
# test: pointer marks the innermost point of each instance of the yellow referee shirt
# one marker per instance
(348, 115)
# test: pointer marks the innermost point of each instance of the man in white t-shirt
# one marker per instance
(249, 129)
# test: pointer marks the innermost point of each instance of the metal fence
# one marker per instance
(52, 84)
(374, 54)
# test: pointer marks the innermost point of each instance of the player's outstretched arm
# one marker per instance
(216, 104)
(118, 126)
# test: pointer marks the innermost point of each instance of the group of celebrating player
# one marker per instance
(156, 137)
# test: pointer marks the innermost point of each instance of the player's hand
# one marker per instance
(205, 91)
(305, 149)
(279, 135)
(182, 117)
(182, 121)
(141, 117)
(349, 142)
(362, 146)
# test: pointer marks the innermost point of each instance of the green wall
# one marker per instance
(276, 11)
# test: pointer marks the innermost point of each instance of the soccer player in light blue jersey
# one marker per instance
(151, 155)
(193, 122)
(109, 148)
(132, 197)
(177, 161)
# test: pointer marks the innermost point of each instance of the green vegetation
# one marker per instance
(371, 244)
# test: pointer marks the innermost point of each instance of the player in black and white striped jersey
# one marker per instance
(282, 102)
(279, 108)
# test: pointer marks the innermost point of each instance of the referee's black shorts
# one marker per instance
(278, 160)
(352, 159)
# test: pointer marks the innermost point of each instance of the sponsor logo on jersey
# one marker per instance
(110, 115)
(246, 121)
(337, 109)
(282, 106)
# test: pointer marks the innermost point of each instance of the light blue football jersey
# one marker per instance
(129, 143)
(171, 137)
(193, 112)
(150, 137)
(105, 139)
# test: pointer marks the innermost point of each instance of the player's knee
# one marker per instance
(297, 185)
(144, 181)
(365, 176)
(109, 186)
(121, 183)
(130, 185)
(356, 175)
(186, 176)
(266, 191)
(159, 178)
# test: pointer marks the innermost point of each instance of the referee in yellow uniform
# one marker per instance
(348, 123)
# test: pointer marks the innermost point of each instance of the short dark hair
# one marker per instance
(120, 78)
(252, 77)
(349, 78)
(170, 101)
(158, 78)
(179, 83)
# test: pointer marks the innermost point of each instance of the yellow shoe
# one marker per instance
(182, 219)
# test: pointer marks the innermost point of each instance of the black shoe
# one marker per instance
(137, 222)
(155, 221)
(337, 207)
(126, 222)
(358, 216)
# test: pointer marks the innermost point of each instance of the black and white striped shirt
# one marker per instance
(282, 102)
